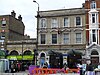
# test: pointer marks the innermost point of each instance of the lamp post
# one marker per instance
(22, 50)
(37, 30)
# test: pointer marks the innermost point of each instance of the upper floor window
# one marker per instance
(54, 23)
(54, 38)
(66, 22)
(93, 18)
(2, 35)
(3, 22)
(94, 35)
(43, 23)
(78, 21)
(42, 36)
(78, 38)
(66, 38)
(93, 5)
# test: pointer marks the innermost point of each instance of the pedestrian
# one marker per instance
(65, 66)
(89, 69)
(12, 67)
(18, 66)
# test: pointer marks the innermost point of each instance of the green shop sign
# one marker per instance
(20, 57)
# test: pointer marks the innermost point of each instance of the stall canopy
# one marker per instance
(74, 52)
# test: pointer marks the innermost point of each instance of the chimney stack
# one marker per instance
(13, 14)
(20, 18)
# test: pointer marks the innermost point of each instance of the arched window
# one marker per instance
(28, 52)
(94, 53)
(42, 55)
(14, 52)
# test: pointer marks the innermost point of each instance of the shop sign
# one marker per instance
(20, 57)
(28, 57)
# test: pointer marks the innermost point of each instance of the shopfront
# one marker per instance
(24, 60)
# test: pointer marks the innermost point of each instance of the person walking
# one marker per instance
(89, 69)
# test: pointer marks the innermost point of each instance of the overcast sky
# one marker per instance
(27, 8)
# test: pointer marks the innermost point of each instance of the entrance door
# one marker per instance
(94, 57)
(42, 59)
(95, 60)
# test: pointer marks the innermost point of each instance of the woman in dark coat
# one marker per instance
(89, 70)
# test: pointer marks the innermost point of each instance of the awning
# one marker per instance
(50, 52)
(74, 52)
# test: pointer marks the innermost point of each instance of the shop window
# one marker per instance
(14, 53)
(27, 52)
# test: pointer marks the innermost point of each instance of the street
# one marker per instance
(18, 73)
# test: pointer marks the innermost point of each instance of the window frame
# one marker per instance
(66, 23)
(66, 39)
(54, 23)
(93, 18)
(43, 23)
(42, 38)
(93, 5)
(79, 20)
(2, 35)
(93, 35)
(54, 39)
(79, 38)
(3, 22)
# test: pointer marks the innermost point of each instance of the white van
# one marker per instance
(4, 65)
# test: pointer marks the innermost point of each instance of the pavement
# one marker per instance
(27, 73)
(17, 73)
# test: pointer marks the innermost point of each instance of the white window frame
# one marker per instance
(94, 33)
(66, 23)
(80, 20)
(43, 23)
(54, 23)
(93, 5)
(2, 37)
(78, 42)
(95, 18)
(66, 39)
(3, 22)
(41, 39)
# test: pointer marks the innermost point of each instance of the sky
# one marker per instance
(27, 9)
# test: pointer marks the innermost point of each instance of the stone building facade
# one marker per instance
(61, 31)
(65, 29)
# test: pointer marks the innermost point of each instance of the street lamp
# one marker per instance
(37, 4)
(37, 30)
